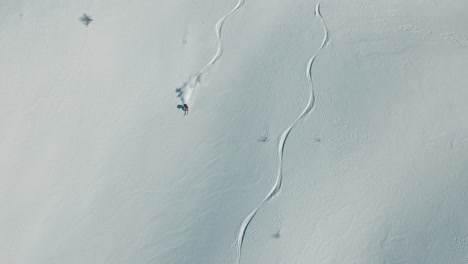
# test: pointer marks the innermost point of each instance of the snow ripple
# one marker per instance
(279, 178)
(196, 79)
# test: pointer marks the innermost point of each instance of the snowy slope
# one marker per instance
(309, 140)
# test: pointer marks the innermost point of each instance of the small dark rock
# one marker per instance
(86, 19)
(276, 235)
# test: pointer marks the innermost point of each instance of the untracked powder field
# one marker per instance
(234, 131)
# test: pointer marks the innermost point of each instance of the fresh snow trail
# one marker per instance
(195, 80)
(279, 177)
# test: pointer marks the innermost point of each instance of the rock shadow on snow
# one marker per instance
(263, 139)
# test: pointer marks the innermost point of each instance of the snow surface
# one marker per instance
(330, 132)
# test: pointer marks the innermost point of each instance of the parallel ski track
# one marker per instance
(195, 80)
(279, 178)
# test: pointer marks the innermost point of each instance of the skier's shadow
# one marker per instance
(180, 93)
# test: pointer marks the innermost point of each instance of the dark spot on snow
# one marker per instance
(276, 235)
(86, 19)
(317, 139)
(180, 92)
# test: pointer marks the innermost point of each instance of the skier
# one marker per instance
(185, 109)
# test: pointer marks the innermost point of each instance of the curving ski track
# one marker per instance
(279, 177)
(218, 28)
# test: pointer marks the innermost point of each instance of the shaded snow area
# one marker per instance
(318, 132)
